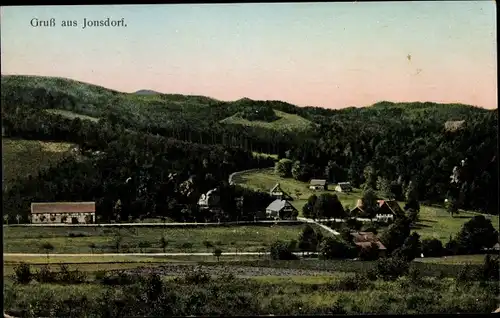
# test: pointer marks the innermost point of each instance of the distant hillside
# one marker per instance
(147, 109)
(146, 92)
(415, 110)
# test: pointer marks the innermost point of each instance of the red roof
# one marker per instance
(365, 239)
(63, 207)
(392, 204)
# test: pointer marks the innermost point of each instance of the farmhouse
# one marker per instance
(63, 212)
(281, 209)
(278, 193)
(318, 184)
(211, 199)
(365, 239)
(388, 209)
(343, 187)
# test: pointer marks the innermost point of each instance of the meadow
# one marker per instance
(35, 155)
(286, 122)
(251, 238)
(71, 115)
(435, 222)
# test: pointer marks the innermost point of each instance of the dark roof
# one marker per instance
(276, 187)
(278, 205)
(344, 185)
(393, 206)
(63, 207)
(320, 182)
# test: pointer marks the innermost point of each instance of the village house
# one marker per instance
(208, 200)
(63, 212)
(365, 239)
(343, 187)
(318, 184)
(281, 209)
(387, 209)
(278, 193)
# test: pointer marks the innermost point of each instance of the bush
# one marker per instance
(45, 275)
(77, 234)
(99, 275)
(197, 277)
(432, 248)
(23, 273)
(369, 253)
(411, 248)
(392, 268)
(332, 248)
(70, 277)
(120, 278)
(414, 274)
(350, 283)
(281, 251)
(490, 268)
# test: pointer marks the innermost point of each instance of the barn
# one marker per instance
(281, 209)
(318, 184)
(343, 187)
(63, 212)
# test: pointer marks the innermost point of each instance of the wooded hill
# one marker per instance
(385, 145)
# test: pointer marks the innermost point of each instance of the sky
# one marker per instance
(330, 55)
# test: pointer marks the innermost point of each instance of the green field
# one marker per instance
(229, 239)
(35, 155)
(286, 122)
(455, 259)
(71, 115)
(434, 222)
(118, 262)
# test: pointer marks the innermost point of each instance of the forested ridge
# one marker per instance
(174, 147)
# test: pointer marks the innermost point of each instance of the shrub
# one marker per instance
(411, 248)
(333, 247)
(432, 248)
(392, 268)
(45, 275)
(77, 234)
(197, 277)
(350, 283)
(369, 253)
(414, 275)
(476, 234)
(23, 273)
(490, 268)
(70, 277)
(120, 278)
(99, 275)
(217, 253)
(281, 251)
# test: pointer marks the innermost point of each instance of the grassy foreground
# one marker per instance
(140, 239)
(434, 222)
(201, 295)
